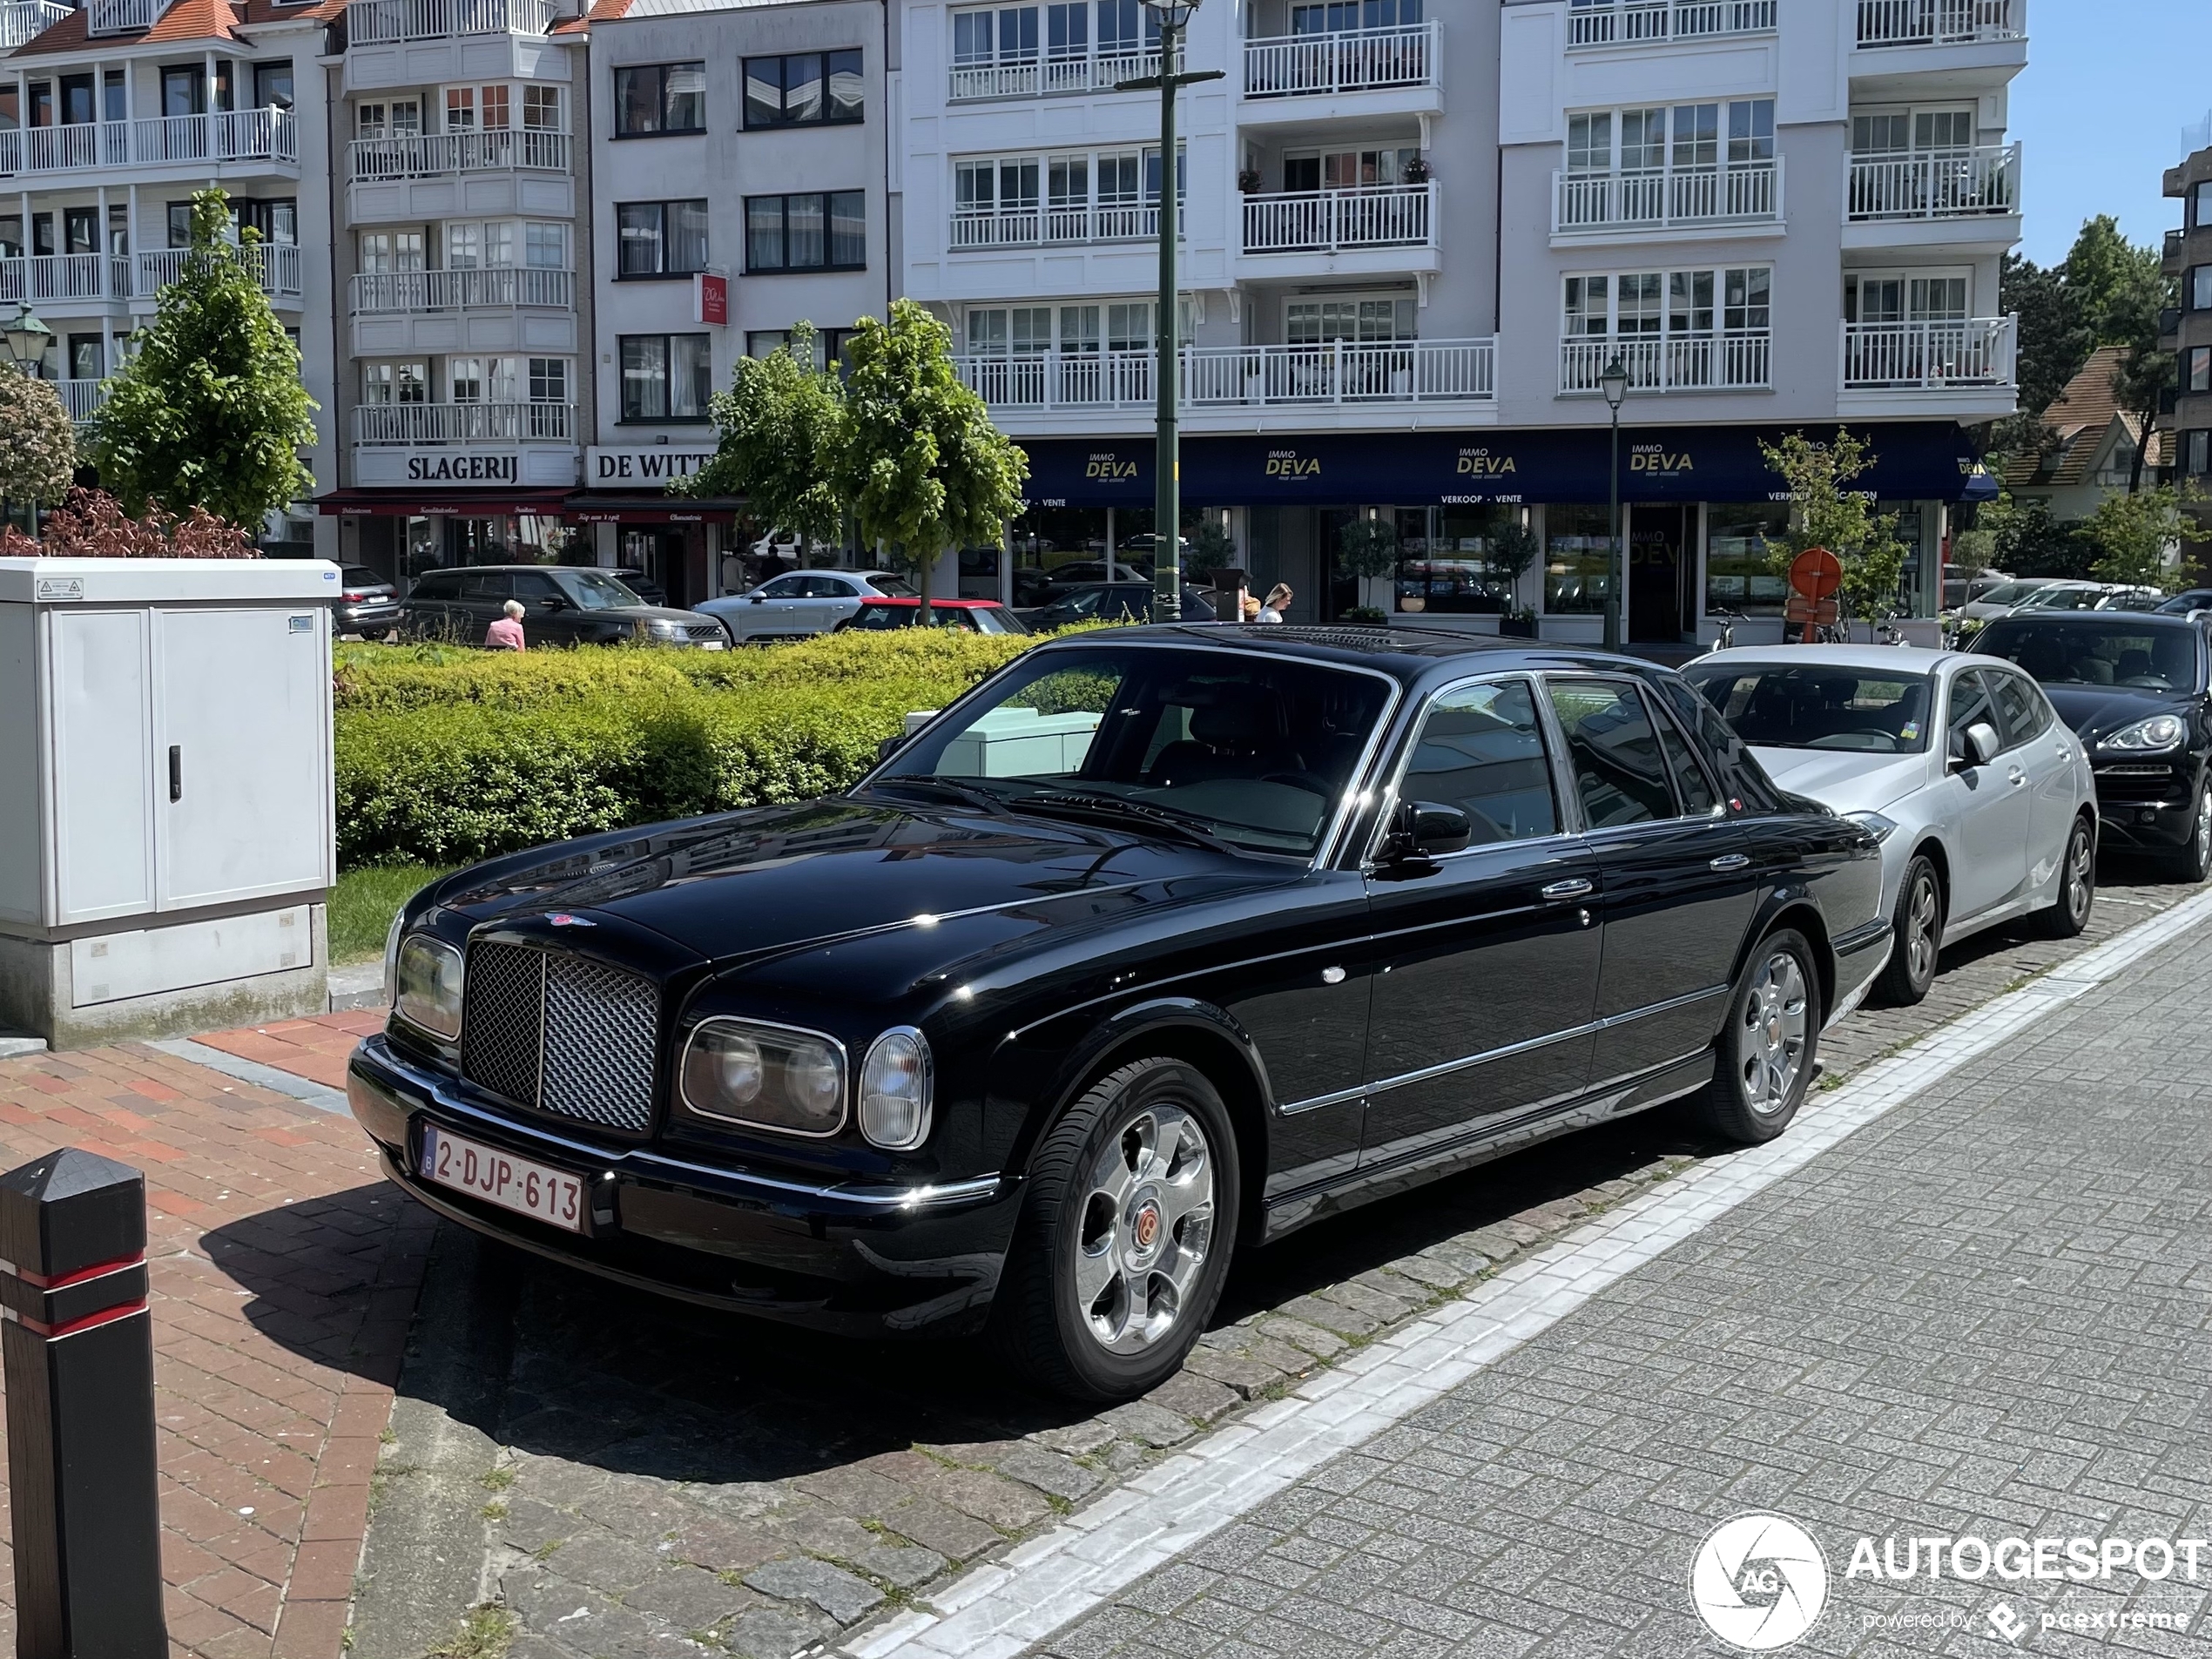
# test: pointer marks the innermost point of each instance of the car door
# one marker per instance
(1991, 805)
(2043, 745)
(1485, 959)
(777, 611)
(484, 595)
(1679, 885)
(548, 618)
(836, 597)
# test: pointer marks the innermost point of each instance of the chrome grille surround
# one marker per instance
(562, 1034)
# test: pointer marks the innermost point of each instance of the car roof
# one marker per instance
(902, 601)
(1912, 659)
(2126, 618)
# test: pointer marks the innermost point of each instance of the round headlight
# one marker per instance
(722, 1069)
(895, 1091)
(813, 1081)
(429, 982)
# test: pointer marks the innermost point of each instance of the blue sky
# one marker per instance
(2110, 86)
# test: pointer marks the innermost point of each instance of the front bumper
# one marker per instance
(859, 1260)
(2146, 804)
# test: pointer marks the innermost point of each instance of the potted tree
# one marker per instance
(1367, 548)
(1512, 550)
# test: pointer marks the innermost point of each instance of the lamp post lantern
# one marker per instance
(1174, 18)
(1614, 381)
(28, 338)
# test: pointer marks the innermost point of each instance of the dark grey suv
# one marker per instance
(563, 605)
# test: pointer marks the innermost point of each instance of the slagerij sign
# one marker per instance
(473, 468)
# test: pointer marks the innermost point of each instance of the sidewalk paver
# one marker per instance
(316, 1046)
(284, 1274)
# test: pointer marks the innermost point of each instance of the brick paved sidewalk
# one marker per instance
(283, 1274)
(315, 1046)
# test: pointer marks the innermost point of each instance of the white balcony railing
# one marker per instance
(1079, 71)
(1729, 361)
(276, 265)
(1937, 22)
(1666, 199)
(464, 423)
(1326, 220)
(1959, 184)
(45, 278)
(1931, 356)
(1033, 227)
(1354, 60)
(497, 286)
(23, 20)
(431, 155)
(120, 16)
(82, 398)
(370, 23)
(1634, 22)
(224, 135)
(1335, 372)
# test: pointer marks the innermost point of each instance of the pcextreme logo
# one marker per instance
(1481, 464)
(1288, 463)
(1651, 457)
(1109, 467)
(1759, 1581)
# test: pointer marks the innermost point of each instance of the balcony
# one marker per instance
(1668, 198)
(1958, 184)
(1054, 226)
(1082, 70)
(22, 20)
(1729, 361)
(224, 136)
(1638, 22)
(48, 279)
(120, 16)
(1329, 222)
(275, 265)
(434, 155)
(1930, 356)
(496, 288)
(1394, 372)
(375, 23)
(465, 425)
(1356, 60)
(1939, 22)
(82, 399)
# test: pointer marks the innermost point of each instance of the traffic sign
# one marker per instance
(1816, 573)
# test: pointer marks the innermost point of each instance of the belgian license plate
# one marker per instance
(547, 1195)
(710, 644)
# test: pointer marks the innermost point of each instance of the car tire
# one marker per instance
(2194, 862)
(1916, 936)
(1125, 1235)
(1770, 1046)
(2077, 882)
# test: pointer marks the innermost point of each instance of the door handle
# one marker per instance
(1574, 887)
(176, 771)
(1731, 861)
(2017, 776)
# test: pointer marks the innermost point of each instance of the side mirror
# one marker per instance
(553, 602)
(757, 598)
(1426, 829)
(889, 746)
(1977, 747)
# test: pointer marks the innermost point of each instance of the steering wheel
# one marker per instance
(1304, 780)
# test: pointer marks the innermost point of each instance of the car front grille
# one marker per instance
(704, 630)
(561, 1033)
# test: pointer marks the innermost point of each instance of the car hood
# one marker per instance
(1845, 780)
(751, 884)
(2096, 712)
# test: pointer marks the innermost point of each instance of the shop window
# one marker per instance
(1740, 540)
(1445, 563)
(1578, 559)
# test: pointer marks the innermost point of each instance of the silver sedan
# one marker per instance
(1980, 794)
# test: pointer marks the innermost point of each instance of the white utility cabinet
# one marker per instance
(166, 846)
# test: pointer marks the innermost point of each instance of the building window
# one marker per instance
(660, 98)
(2201, 288)
(802, 89)
(549, 380)
(2196, 452)
(2196, 370)
(1651, 305)
(1740, 541)
(388, 383)
(1313, 323)
(545, 247)
(666, 377)
(820, 231)
(2202, 198)
(541, 109)
(1088, 196)
(660, 238)
(829, 343)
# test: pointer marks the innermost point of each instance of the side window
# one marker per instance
(439, 587)
(785, 587)
(825, 587)
(530, 587)
(1481, 751)
(1969, 703)
(1697, 797)
(1619, 772)
(487, 585)
(2022, 707)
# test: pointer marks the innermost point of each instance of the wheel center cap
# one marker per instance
(1145, 1227)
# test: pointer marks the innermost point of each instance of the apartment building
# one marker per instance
(1415, 240)
(2189, 260)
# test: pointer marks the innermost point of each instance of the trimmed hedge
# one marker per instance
(448, 756)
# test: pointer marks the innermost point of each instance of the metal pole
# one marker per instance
(1616, 574)
(1167, 567)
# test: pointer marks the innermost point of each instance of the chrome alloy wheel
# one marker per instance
(2203, 829)
(1147, 1222)
(1773, 1046)
(1921, 925)
(2080, 861)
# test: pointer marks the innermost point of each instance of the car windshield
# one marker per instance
(1255, 752)
(2095, 651)
(896, 587)
(1802, 706)
(596, 591)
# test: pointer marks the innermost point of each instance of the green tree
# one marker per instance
(210, 411)
(37, 441)
(780, 429)
(920, 465)
(1827, 512)
(2132, 535)
(2027, 541)
(2054, 344)
(2106, 278)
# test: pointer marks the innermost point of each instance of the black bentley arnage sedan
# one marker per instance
(1155, 945)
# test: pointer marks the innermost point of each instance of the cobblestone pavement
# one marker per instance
(618, 1476)
(283, 1274)
(1988, 1314)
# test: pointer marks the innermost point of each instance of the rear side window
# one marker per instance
(1619, 772)
(1697, 796)
(2021, 706)
(437, 586)
(1969, 703)
(1482, 751)
(488, 584)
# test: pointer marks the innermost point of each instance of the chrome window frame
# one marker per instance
(1389, 794)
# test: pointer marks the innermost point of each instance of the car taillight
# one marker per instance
(355, 598)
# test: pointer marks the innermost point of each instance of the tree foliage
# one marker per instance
(210, 411)
(2054, 343)
(1207, 548)
(2133, 533)
(91, 524)
(2108, 291)
(781, 425)
(1827, 512)
(2026, 541)
(1368, 547)
(38, 440)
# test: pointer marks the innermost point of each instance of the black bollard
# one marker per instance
(78, 1348)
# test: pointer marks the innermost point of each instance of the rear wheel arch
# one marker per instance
(1798, 912)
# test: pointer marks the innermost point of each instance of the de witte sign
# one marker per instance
(620, 468)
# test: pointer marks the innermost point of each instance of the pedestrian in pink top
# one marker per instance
(506, 634)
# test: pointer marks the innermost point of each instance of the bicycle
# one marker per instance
(1724, 640)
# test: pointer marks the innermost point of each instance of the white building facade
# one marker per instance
(1414, 240)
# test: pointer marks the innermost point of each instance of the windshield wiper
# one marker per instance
(984, 798)
(1115, 806)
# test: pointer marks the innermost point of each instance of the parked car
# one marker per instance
(1153, 946)
(2135, 689)
(1113, 601)
(976, 616)
(1981, 799)
(2122, 598)
(639, 584)
(2188, 600)
(1036, 586)
(2065, 596)
(566, 605)
(803, 604)
(1996, 600)
(1961, 584)
(366, 603)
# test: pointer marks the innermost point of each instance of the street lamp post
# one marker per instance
(1614, 380)
(1174, 17)
(27, 338)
